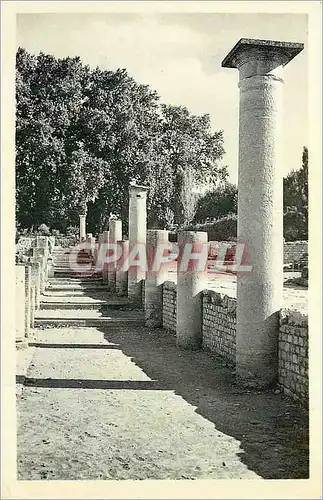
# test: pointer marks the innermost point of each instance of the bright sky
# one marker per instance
(180, 55)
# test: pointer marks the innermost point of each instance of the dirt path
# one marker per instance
(119, 401)
(125, 404)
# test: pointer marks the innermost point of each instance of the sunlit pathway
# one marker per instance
(105, 398)
(92, 413)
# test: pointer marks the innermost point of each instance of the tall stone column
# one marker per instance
(191, 281)
(115, 234)
(260, 204)
(137, 236)
(155, 277)
(82, 227)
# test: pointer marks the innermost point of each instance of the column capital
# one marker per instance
(136, 189)
(260, 57)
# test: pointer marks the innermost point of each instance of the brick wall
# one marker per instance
(219, 324)
(219, 336)
(293, 250)
(169, 306)
(293, 353)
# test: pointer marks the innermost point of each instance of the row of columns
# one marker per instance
(259, 293)
(31, 278)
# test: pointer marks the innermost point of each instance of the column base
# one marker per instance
(264, 380)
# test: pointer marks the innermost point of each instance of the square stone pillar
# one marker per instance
(156, 276)
(27, 299)
(121, 273)
(137, 236)
(260, 204)
(35, 281)
(32, 306)
(115, 234)
(82, 227)
(42, 278)
(20, 303)
(42, 242)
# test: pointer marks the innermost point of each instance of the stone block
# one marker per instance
(20, 302)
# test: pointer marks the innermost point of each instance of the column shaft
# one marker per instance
(260, 204)
(82, 227)
(190, 283)
(121, 273)
(137, 236)
(260, 229)
(156, 276)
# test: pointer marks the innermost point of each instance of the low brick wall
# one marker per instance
(169, 306)
(293, 353)
(219, 324)
(219, 336)
(293, 250)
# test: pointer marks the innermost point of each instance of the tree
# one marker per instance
(188, 197)
(217, 202)
(296, 202)
(188, 143)
(83, 135)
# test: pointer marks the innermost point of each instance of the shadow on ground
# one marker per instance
(272, 429)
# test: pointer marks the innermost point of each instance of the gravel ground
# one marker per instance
(120, 401)
(124, 403)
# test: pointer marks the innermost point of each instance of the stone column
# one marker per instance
(105, 266)
(38, 256)
(27, 300)
(137, 236)
(191, 281)
(115, 234)
(155, 277)
(20, 304)
(32, 306)
(82, 227)
(35, 281)
(42, 242)
(122, 274)
(260, 204)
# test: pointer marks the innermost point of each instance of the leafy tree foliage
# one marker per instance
(83, 135)
(296, 202)
(217, 202)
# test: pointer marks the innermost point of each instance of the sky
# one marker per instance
(180, 55)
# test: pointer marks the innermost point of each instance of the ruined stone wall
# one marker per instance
(169, 306)
(293, 353)
(219, 336)
(293, 250)
(219, 324)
